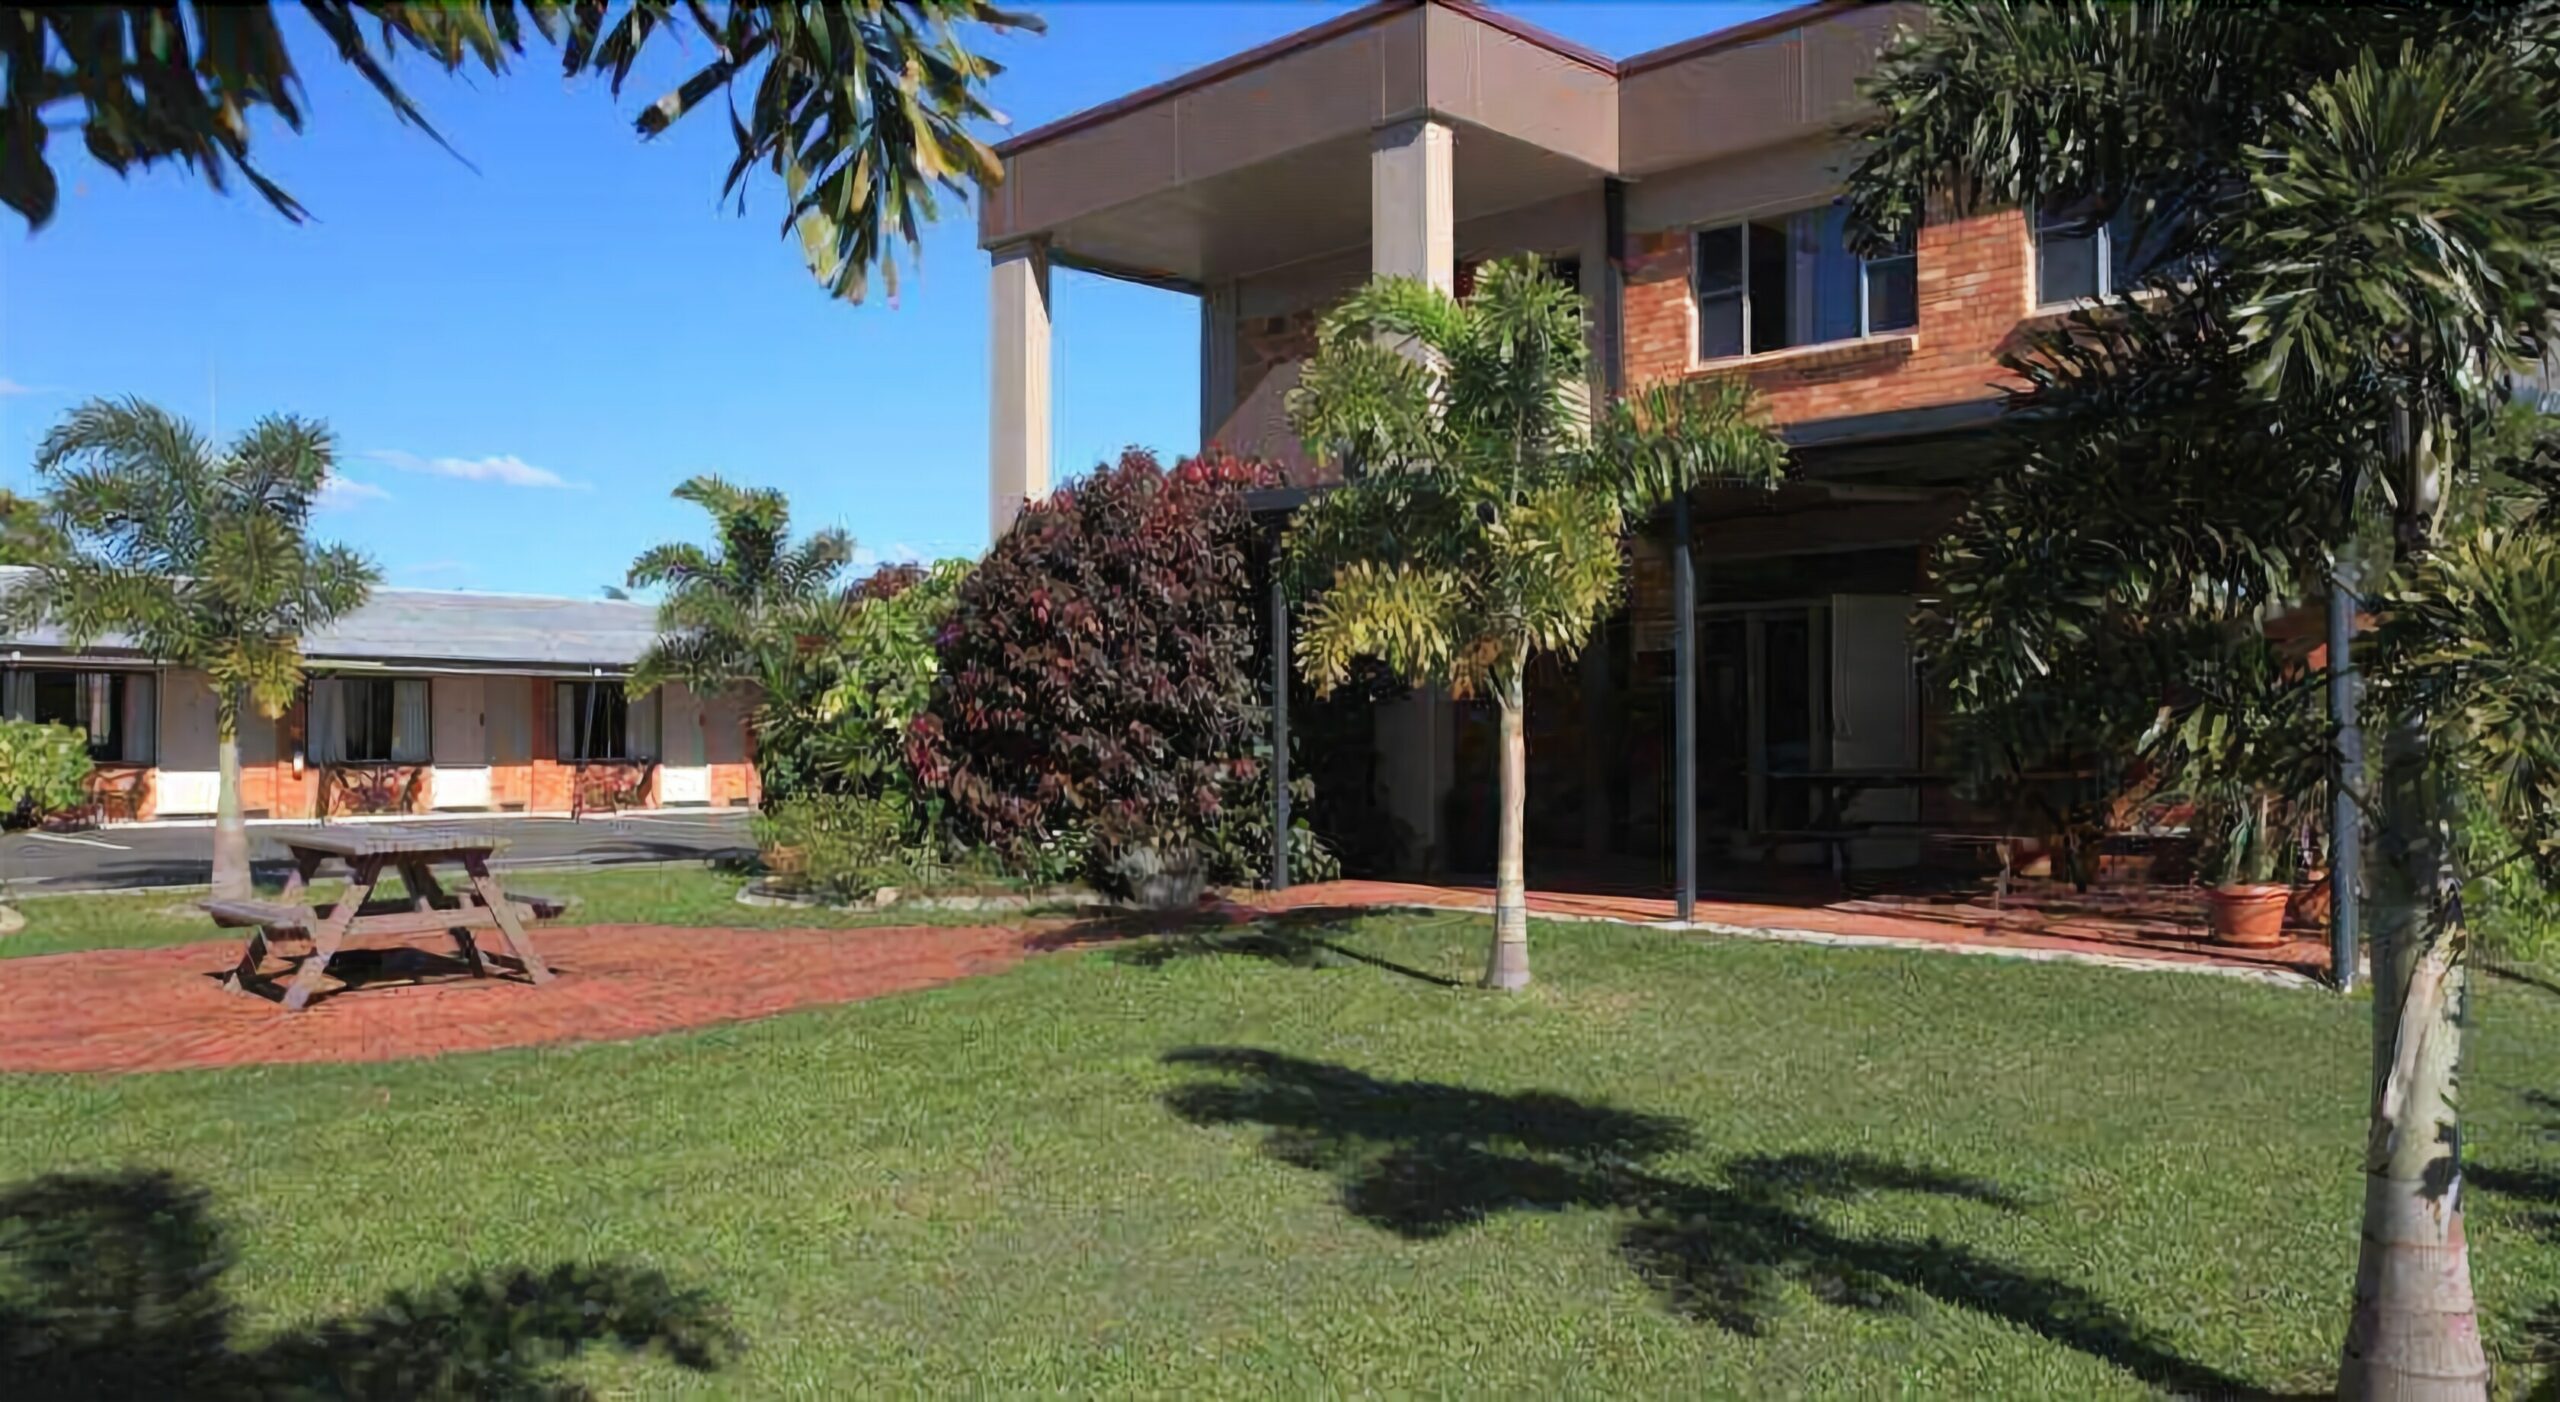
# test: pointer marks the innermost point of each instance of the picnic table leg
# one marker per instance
(426, 893)
(363, 874)
(305, 866)
(504, 911)
(250, 958)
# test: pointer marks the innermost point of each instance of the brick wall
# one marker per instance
(1974, 287)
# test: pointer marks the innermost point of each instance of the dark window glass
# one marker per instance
(1772, 284)
(1719, 291)
(1893, 294)
(369, 708)
(2070, 252)
(90, 702)
(1766, 250)
(595, 721)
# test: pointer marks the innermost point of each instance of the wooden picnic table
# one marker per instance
(414, 852)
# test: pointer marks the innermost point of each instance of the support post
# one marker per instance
(1279, 722)
(2346, 815)
(1684, 707)
(1217, 359)
(1412, 202)
(1018, 382)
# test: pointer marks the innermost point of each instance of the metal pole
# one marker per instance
(1279, 727)
(1684, 707)
(2346, 818)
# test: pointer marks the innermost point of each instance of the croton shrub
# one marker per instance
(1096, 677)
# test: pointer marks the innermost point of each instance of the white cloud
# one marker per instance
(10, 388)
(340, 492)
(506, 469)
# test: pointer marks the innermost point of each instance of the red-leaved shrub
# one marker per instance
(1097, 672)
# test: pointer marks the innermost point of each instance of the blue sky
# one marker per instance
(522, 355)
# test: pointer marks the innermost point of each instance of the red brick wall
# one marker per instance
(1975, 286)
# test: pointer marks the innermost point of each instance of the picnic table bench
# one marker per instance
(414, 852)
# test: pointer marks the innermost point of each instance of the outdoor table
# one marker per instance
(414, 852)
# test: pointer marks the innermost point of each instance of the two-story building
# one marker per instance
(1692, 193)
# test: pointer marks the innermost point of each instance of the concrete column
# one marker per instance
(1412, 208)
(1217, 359)
(1413, 233)
(1018, 382)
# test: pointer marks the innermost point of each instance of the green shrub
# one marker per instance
(842, 847)
(44, 769)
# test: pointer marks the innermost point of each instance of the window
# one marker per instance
(1769, 284)
(114, 709)
(2081, 258)
(369, 720)
(594, 721)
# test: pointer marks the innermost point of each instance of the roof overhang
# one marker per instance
(1262, 160)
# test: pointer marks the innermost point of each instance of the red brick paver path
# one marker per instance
(163, 1009)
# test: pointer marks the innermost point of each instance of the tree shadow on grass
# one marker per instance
(1423, 1159)
(111, 1286)
(1307, 938)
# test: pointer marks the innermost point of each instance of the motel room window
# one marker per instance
(116, 710)
(600, 721)
(369, 720)
(2080, 257)
(1767, 284)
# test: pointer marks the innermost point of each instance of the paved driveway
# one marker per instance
(124, 858)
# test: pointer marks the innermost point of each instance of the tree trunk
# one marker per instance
(2415, 1332)
(230, 829)
(1508, 969)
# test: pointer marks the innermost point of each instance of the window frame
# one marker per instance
(625, 753)
(120, 742)
(2115, 277)
(1740, 295)
(388, 720)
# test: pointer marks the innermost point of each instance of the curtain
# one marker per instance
(409, 720)
(643, 723)
(564, 703)
(18, 695)
(98, 707)
(139, 734)
(327, 743)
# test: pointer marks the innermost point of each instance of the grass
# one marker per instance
(1281, 1164)
(679, 894)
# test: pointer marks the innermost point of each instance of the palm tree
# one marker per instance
(748, 612)
(862, 107)
(1481, 517)
(200, 558)
(2351, 208)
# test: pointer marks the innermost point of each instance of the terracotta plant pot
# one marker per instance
(2310, 903)
(786, 861)
(2250, 915)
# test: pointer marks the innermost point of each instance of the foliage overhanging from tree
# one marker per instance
(861, 108)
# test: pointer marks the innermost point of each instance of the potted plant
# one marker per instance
(2247, 843)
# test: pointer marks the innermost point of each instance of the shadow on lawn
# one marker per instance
(1424, 1159)
(111, 1286)
(1306, 938)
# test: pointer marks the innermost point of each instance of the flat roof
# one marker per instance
(1731, 35)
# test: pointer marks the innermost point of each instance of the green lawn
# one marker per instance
(1677, 1167)
(678, 894)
